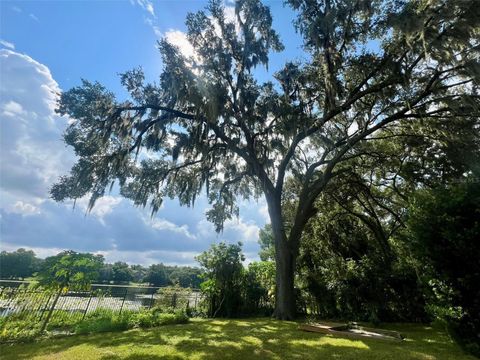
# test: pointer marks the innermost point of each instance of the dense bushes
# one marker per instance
(229, 289)
(427, 269)
(17, 329)
(444, 234)
(223, 279)
(342, 274)
(105, 321)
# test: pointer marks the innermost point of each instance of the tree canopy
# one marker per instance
(18, 264)
(210, 125)
(70, 270)
(156, 275)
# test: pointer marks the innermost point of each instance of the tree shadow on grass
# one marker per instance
(142, 357)
(241, 339)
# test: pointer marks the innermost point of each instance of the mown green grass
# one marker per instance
(238, 339)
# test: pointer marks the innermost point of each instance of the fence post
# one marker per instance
(88, 304)
(174, 300)
(123, 301)
(151, 299)
(196, 294)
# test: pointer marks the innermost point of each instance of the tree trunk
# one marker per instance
(285, 274)
(284, 262)
(50, 312)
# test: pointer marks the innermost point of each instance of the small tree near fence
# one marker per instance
(223, 279)
(66, 271)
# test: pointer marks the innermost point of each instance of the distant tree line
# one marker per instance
(22, 264)
(156, 274)
(19, 264)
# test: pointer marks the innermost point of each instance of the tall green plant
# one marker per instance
(65, 271)
(223, 277)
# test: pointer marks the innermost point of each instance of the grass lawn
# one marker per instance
(238, 339)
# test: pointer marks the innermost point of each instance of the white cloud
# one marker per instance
(150, 18)
(32, 153)
(103, 206)
(12, 108)
(149, 8)
(7, 44)
(25, 208)
(237, 229)
(179, 39)
(157, 31)
(204, 228)
(33, 17)
(231, 17)
(150, 22)
(16, 9)
(41, 252)
(352, 128)
(146, 5)
(162, 224)
(241, 230)
(263, 211)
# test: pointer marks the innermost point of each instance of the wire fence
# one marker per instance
(20, 302)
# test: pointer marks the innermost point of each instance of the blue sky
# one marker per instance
(48, 46)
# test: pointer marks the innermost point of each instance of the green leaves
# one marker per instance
(222, 278)
(381, 69)
(133, 81)
(88, 103)
(443, 231)
(69, 270)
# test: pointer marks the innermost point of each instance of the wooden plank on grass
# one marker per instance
(359, 333)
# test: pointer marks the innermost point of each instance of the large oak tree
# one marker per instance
(209, 125)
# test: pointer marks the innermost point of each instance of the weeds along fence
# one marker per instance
(17, 301)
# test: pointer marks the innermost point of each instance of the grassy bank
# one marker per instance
(238, 339)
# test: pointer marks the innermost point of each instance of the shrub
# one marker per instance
(153, 317)
(15, 328)
(64, 320)
(142, 319)
(18, 330)
(178, 317)
(104, 321)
